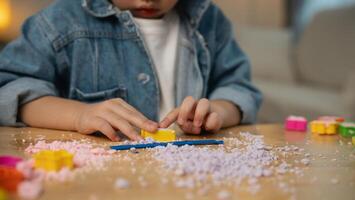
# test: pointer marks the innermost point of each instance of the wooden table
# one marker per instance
(330, 175)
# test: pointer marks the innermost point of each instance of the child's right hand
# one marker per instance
(112, 115)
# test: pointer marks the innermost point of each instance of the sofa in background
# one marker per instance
(313, 77)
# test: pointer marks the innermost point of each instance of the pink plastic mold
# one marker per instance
(296, 123)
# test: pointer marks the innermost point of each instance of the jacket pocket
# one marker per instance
(94, 97)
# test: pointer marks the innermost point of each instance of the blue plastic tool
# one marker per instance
(177, 143)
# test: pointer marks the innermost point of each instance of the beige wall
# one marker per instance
(264, 13)
(24, 9)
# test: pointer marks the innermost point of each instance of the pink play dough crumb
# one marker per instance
(30, 189)
(26, 167)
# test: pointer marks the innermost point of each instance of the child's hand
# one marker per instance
(193, 116)
(112, 115)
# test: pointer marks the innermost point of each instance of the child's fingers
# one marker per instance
(125, 104)
(131, 108)
(105, 128)
(122, 125)
(202, 109)
(128, 130)
(188, 127)
(213, 122)
(186, 108)
(170, 118)
(134, 117)
(140, 121)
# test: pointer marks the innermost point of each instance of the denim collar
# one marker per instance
(193, 9)
(98, 8)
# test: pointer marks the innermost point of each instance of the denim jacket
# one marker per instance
(89, 50)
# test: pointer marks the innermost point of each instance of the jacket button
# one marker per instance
(143, 78)
(125, 16)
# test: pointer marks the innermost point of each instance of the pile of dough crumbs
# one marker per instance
(244, 158)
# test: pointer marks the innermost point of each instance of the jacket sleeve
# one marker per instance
(27, 70)
(231, 74)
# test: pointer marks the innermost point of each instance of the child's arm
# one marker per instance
(231, 72)
(29, 71)
(106, 117)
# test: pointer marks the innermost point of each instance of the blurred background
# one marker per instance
(302, 51)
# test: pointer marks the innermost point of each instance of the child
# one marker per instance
(99, 65)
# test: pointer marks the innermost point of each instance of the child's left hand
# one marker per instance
(193, 116)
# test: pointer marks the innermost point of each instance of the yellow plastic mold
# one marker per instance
(324, 127)
(53, 160)
(162, 135)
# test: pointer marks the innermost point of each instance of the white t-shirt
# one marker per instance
(161, 38)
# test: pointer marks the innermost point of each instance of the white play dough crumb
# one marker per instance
(223, 195)
(121, 183)
(334, 181)
(305, 161)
